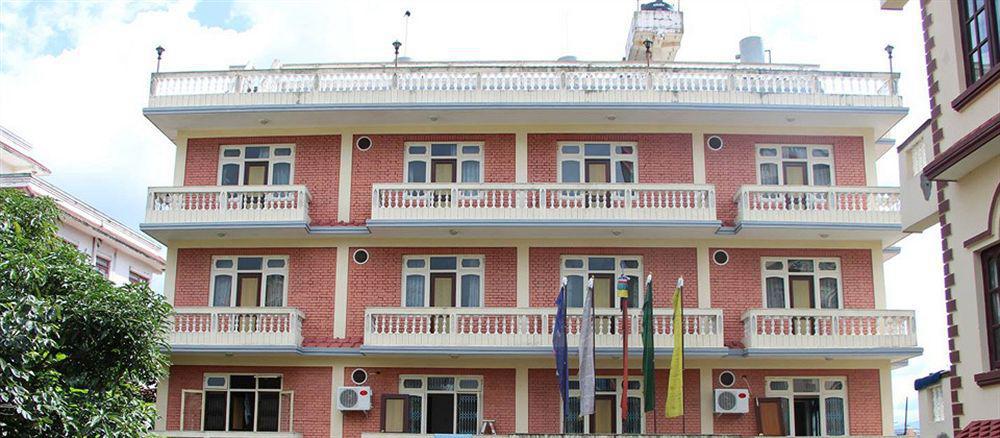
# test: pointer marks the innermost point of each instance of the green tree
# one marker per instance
(75, 350)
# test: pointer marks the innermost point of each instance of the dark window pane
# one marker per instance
(230, 174)
(625, 172)
(470, 263)
(571, 149)
(570, 171)
(470, 171)
(418, 150)
(629, 264)
(224, 264)
(231, 153)
(600, 150)
(829, 295)
(793, 152)
(633, 419)
(241, 411)
(774, 266)
(223, 290)
(215, 410)
(443, 150)
(769, 173)
(258, 152)
(775, 292)
(605, 384)
(269, 383)
(267, 411)
(441, 383)
(242, 382)
(601, 263)
(249, 263)
(574, 291)
(282, 152)
(468, 413)
(574, 263)
(415, 263)
(414, 290)
(443, 263)
(633, 292)
(282, 174)
(573, 422)
(768, 152)
(834, 416)
(470, 291)
(274, 292)
(416, 413)
(821, 175)
(800, 266)
(416, 172)
(470, 150)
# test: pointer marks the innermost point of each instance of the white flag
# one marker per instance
(586, 353)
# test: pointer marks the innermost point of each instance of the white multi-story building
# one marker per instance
(119, 253)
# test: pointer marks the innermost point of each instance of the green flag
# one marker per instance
(648, 369)
(675, 385)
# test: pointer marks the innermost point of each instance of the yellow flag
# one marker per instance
(675, 387)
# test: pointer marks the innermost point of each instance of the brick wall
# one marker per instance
(383, 163)
(864, 401)
(666, 264)
(736, 286)
(663, 158)
(312, 387)
(497, 400)
(317, 166)
(379, 283)
(736, 164)
(310, 283)
(545, 406)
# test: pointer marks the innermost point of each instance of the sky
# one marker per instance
(74, 77)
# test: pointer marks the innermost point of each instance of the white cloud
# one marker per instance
(82, 107)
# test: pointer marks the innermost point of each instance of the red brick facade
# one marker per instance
(310, 283)
(666, 264)
(383, 163)
(545, 407)
(736, 165)
(663, 158)
(379, 283)
(864, 402)
(317, 166)
(737, 285)
(312, 388)
(498, 402)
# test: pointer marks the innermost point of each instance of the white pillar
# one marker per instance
(180, 159)
(162, 393)
(340, 292)
(521, 400)
(523, 276)
(704, 279)
(336, 417)
(707, 400)
(885, 388)
(170, 275)
(698, 156)
(344, 179)
(521, 156)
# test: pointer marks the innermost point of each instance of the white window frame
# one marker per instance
(936, 394)
(585, 271)
(423, 391)
(459, 271)
(618, 403)
(459, 157)
(271, 161)
(817, 274)
(264, 272)
(581, 157)
(823, 393)
(205, 390)
(809, 160)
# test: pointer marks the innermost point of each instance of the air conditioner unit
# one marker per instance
(732, 401)
(354, 398)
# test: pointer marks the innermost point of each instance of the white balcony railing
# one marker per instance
(525, 82)
(678, 202)
(829, 328)
(225, 326)
(818, 204)
(528, 327)
(189, 204)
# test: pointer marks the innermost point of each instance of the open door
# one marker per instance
(604, 420)
(772, 416)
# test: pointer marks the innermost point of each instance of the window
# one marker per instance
(598, 163)
(249, 281)
(443, 281)
(103, 266)
(991, 291)
(794, 165)
(606, 270)
(813, 406)
(937, 403)
(245, 403)
(135, 277)
(256, 165)
(980, 37)
(441, 404)
(607, 417)
(917, 157)
(801, 283)
(444, 162)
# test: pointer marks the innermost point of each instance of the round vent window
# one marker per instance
(361, 256)
(364, 143)
(727, 379)
(715, 142)
(720, 257)
(348, 399)
(726, 401)
(359, 376)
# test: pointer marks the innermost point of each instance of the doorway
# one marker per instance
(604, 418)
(806, 416)
(440, 413)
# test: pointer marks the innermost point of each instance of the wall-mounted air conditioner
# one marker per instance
(354, 398)
(732, 401)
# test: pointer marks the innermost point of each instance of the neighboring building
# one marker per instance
(935, 408)
(950, 174)
(120, 254)
(346, 232)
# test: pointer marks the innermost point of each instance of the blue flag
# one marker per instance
(560, 350)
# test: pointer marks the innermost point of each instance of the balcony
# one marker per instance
(235, 328)
(802, 212)
(523, 92)
(213, 209)
(526, 329)
(543, 208)
(803, 331)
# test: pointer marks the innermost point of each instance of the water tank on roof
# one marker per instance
(752, 50)
(566, 58)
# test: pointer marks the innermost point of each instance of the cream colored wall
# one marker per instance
(928, 427)
(950, 75)
(970, 203)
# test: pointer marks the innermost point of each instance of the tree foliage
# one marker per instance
(75, 350)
